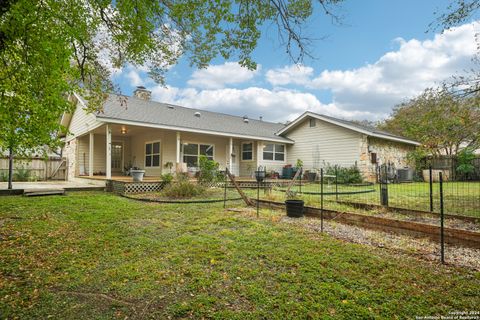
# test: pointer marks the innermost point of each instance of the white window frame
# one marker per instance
(198, 152)
(312, 120)
(153, 154)
(274, 152)
(252, 151)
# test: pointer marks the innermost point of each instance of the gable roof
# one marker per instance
(370, 131)
(135, 111)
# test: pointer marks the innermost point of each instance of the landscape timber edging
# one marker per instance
(453, 236)
(407, 211)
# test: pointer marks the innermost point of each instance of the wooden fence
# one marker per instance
(35, 169)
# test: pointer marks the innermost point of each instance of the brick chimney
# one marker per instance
(142, 93)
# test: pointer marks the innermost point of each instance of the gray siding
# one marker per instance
(323, 144)
(81, 122)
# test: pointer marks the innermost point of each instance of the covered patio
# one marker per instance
(108, 151)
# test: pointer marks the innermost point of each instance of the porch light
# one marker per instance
(123, 130)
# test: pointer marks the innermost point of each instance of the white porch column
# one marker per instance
(177, 167)
(90, 155)
(230, 160)
(108, 149)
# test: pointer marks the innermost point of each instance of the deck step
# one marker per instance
(43, 192)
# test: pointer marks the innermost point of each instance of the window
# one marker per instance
(152, 154)
(191, 152)
(274, 152)
(313, 122)
(247, 151)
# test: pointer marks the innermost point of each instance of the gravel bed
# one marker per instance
(424, 247)
(449, 222)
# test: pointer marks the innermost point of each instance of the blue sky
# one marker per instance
(380, 56)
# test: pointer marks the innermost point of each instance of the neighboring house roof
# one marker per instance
(370, 131)
(135, 111)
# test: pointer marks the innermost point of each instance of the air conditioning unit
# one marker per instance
(405, 174)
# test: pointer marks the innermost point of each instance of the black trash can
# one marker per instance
(294, 208)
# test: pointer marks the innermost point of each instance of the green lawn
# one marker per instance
(459, 197)
(100, 256)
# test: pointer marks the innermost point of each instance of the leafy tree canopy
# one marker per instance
(458, 12)
(51, 48)
(441, 121)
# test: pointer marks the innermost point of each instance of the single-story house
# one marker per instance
(160, 137)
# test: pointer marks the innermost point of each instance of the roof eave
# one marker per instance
(368, 133)
(167, 127)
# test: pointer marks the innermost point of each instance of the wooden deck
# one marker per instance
(152, 178)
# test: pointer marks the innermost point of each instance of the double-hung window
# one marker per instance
(191, 152)
(247, 151)
(152, 154)
(274, 152)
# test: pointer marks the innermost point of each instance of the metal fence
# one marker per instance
(460, 197)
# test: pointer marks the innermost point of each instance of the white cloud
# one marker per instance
(134, 77)
(218, 76)
(403, 73)
(293, 74)
(367, 92)
(273, 105)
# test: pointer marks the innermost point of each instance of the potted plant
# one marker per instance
(294, 206)
(310, 175)
(287, 171)
(169, 166)
(137, 174)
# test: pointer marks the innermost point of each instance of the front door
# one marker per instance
(117, 156)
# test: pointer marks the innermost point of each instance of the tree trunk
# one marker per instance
(10, 167)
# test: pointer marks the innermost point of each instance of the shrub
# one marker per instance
(465, 159)
(182, 189)
(345, 175)
(3, 176)
(208, 170)
(21, 174)
(167, 177)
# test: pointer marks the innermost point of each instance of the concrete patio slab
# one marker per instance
(78, 184)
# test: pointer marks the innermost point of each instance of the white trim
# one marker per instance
(108, 157)
(344, 125)
(123, 152)
(198, 153)
(152, 154)
(91, 151)
(252, 151)
(274, 152)
(167, 127)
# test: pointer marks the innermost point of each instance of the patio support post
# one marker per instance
(230, 161)
(177, 166)
(108, 149)
(90, 155)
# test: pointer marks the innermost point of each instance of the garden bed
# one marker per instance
(208, 196)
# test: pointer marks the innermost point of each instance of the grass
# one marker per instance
(459, 197)
(99, 256)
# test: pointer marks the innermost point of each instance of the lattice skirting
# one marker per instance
(122, 187)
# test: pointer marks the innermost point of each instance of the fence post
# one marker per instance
(384, 187)
(225, 189)
(442, 237)
(336, 183)
(431, 187)
(321, 200)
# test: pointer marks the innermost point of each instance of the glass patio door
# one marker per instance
(117, 156)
